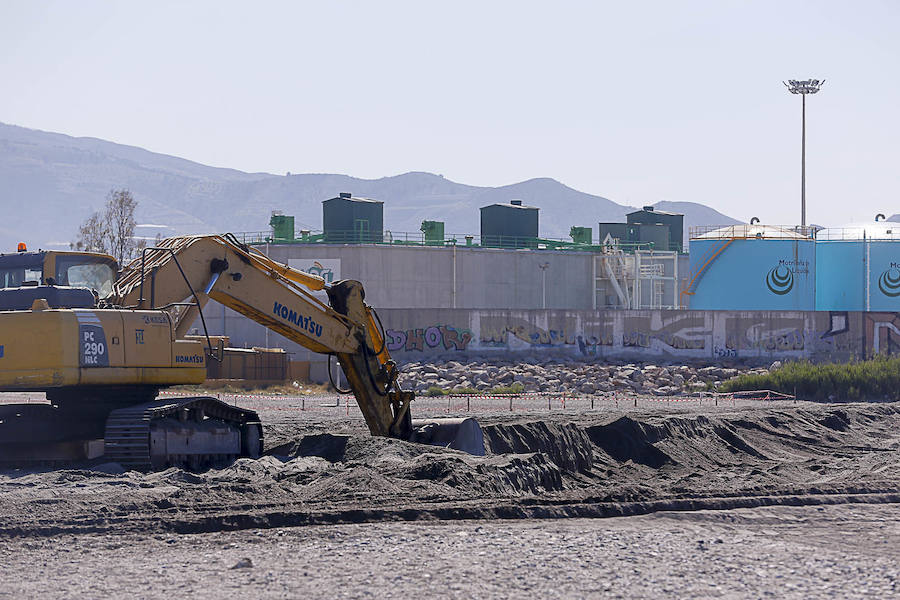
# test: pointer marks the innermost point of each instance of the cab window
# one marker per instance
(18, 276)
(84, 271)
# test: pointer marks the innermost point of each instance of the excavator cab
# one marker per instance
(64, 279)
(96, 272)
(91, 270)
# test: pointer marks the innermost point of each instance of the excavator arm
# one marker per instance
(182, 273)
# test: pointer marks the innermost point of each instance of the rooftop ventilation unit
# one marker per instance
(349, 220)
(512, 225)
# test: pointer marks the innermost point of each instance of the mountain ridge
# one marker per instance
(46, 173)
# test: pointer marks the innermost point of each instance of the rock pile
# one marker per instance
(564, 376)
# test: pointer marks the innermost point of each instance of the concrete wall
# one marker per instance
(461, 277)
(677, 335)
(706, 336)
(444, 277)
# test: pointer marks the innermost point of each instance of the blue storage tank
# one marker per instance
(752, 267)
(858, 267)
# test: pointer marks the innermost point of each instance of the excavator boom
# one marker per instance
(182, 273)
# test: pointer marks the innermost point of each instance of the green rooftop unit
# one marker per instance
(434, 232)
(655, 236)
(649, 215)
(282, 228)
(581, 235)
(609, 232)
(509, 225)
(349, 220)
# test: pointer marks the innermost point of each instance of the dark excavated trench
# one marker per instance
(587, 466)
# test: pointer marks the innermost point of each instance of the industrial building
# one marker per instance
(650, 228)
(763, 267)
(859, 267)
(752, 267)
(508, 267)
(637, 265)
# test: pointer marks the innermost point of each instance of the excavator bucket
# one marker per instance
(460, 434)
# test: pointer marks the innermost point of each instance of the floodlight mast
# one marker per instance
(803, 87)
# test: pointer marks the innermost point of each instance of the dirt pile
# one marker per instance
(354, 458)
(566, 444)
(584, 465)
(751, 452)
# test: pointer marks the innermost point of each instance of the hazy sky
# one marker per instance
(635, 101)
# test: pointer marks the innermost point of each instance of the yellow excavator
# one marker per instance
(101, 344)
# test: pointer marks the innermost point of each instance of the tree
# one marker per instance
(92, 235)
(120, 206)
(111, 231)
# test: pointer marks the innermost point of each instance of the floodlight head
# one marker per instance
(805, 86)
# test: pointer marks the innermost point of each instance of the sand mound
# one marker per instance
(356, 466)
(534, 468)
(626, 439)
(567, 445)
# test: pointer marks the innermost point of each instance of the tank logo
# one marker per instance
(297, 319)
(780, 280)
(889, 282)
(322, 271)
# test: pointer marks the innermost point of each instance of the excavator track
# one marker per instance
(191, 432)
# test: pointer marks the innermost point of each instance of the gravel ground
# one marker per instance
(778, 552)
(777, 499)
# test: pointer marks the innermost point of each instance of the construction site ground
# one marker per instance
(635, 497)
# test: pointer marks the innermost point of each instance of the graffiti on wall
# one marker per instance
(882, 332)
(684, 332)
(674, 341)
(529, 334)
(434, 337)
(765, 335)
(592, 345)
(832, 334)
(506, 332)
(712, 335)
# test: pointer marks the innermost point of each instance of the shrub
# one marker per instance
(465, 390)
(435, 390)
(515, 388)
(875, 379)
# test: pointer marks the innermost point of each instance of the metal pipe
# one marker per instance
(803, 169)
(676, 283)
(868, 270)
(543, 267)
(212, 282)
(612, 278)
(453, 302)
